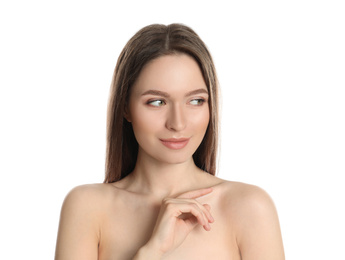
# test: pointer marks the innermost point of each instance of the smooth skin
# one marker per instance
(168, 208)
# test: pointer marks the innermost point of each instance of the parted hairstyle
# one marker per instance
(149, 43)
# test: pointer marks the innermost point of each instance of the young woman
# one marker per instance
(160, 198)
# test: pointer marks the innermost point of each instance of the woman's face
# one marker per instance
(168, 109)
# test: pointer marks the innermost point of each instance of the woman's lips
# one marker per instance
(175, 144)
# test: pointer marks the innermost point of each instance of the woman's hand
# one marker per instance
(177, 218)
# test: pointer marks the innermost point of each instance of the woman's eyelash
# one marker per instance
(198, 101)
(156, 102)
(160, 102)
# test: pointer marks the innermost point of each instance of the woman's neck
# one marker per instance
(163, 179)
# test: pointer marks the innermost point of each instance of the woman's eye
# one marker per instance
(156, 103)
(197, 102)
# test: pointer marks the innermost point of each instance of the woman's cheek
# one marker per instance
(147, 121)
(201, 119)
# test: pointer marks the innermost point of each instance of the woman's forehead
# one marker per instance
(173, 74)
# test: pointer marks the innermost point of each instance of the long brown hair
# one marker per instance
(149, 43)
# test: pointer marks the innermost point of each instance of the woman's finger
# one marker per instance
(208, 213)
(205, 208)
(195, 193)
(177, 206)
(196, 211)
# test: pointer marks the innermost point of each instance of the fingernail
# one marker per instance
(212, 219)
(208, 227)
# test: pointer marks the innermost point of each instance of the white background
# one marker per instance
(281, 67)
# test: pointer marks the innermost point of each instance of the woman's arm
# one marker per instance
(78, 235)
(259, 236)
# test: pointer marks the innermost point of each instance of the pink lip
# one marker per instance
(175, 143)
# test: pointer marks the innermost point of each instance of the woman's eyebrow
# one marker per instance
(197, 91)
(166, 95)
(156, 93)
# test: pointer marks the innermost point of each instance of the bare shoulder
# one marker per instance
(85, 203)
(253, 216)
(92, 201)
(87, 195)
(245, 202)
(81, 216)
(245, 195)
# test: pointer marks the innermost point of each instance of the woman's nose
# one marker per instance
(176, 120)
